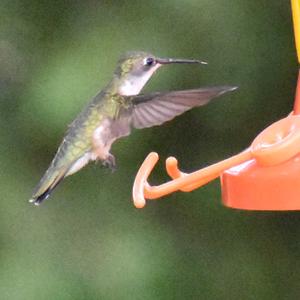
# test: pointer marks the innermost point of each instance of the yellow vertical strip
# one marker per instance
(296, 19)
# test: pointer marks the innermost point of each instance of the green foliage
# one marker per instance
(88, 241)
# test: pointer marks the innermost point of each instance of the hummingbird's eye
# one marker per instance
(149, 61)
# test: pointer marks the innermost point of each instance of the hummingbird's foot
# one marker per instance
(110, 162)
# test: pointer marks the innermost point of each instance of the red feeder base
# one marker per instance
(254, 187)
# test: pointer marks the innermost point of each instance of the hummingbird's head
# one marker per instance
(136, 68)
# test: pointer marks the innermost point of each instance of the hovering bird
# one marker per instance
(114, 111)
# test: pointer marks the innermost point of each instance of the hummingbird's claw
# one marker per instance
(110, 162)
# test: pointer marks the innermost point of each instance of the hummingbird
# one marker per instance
(114, 111)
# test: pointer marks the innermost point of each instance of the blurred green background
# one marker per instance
(88, 241)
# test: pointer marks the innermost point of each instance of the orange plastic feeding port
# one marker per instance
(269, 181)
(266, 176)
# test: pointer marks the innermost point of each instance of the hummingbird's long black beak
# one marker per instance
(165, 61)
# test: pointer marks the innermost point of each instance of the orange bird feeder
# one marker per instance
(266, 176)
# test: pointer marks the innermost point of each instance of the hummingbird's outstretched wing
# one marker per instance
(156, 108)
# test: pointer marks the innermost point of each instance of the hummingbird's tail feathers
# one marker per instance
(48, 183)
(39, 199)
(156, 108)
